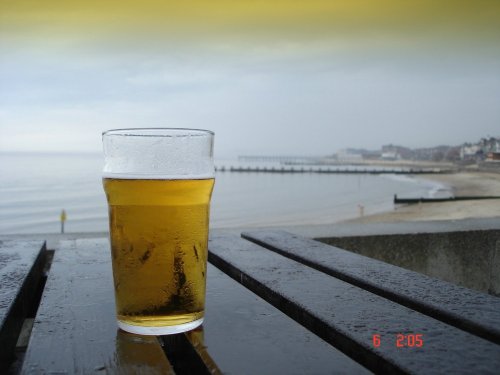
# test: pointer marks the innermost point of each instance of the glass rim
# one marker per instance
(175, 132)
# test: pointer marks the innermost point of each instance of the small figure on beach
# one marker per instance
(63, 219)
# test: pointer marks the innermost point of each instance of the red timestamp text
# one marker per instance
(409, 340)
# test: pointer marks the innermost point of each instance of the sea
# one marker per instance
(36, 187)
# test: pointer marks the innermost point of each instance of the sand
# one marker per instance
(460, 183)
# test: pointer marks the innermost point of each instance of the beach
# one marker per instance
(310, 204)
(470, 183)
(32, 198)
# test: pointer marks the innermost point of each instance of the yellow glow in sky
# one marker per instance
(452, 19)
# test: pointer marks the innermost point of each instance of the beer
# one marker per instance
(159, 237)
(158, 182)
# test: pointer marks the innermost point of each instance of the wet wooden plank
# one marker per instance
(75, 330)
(21, 264)
(188, 354)
(347, 316)
(243, 334)
(475, 312)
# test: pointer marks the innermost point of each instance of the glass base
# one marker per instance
(158, 331)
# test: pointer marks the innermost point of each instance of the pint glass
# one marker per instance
(158, 184)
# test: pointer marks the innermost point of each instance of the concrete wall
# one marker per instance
(469, 258)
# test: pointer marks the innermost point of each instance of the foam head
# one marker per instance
(158, 153)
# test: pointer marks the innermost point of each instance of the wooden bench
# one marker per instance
(21, 266)
(276, 303)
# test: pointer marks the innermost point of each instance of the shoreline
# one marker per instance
(461, 183)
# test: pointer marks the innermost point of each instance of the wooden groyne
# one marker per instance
(332, 170)
(446, 199)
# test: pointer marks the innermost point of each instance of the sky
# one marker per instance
(276, 77)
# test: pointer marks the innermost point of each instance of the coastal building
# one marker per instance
(470, 152)
(390, 155)
(491, 144)
(485, 149)
(390, 152)
(349, 156)
(493, 157)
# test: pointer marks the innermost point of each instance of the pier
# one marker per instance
(332, 170)
(446, 199)
(285, 159)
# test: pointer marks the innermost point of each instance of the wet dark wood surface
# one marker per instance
(75, 329)
(478, 313)
(266, 313)
(21, 264)
(348, 316)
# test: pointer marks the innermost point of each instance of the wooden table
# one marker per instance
(276, 304)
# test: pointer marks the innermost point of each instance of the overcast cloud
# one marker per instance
(269, 98)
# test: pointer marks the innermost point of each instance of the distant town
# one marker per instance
(483, 153)
(485, 150)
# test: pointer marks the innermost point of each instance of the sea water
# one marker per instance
(35, 187)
